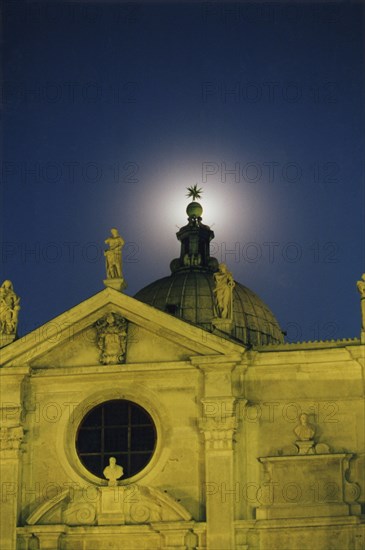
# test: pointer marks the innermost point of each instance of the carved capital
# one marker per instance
(219, 422)
(111, 338)
(218, 433)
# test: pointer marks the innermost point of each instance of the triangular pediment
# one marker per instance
(71, 339)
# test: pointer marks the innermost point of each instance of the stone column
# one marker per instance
(218, 424)
(11, 436)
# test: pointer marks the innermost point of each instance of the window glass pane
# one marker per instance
(89, 441)
(92, 463)
(138, 462)
(142, 438)
(116, 413)
(93, 418)
(115, 439)
(139, 416)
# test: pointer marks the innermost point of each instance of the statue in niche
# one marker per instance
(113, 256)
(111, 338)
(9, 308)
(361, 288)
(304, 431)
(113, 472)
(223, 291)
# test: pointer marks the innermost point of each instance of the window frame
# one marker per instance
(139, 394)
(104, 453)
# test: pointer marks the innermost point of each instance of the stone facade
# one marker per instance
(226, 471)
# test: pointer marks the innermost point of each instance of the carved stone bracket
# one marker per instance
(111, 338)
(352, 489)
(11, 438)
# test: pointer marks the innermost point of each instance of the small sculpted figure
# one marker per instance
(113, 256)
(9, 308)
(304, 431)
(113, 472)
(361, 288)
(223, 290)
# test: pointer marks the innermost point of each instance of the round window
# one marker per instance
(117, 428)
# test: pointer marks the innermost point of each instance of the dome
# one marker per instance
(202, 291)
(188, 294)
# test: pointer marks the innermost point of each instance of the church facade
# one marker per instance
(179, 419)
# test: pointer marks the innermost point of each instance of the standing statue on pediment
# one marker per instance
(113, 256)
(223, 291)
(361, 288)
(9, 308)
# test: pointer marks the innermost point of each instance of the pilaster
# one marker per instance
(218, 424)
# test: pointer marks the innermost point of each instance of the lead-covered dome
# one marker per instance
(188, 293)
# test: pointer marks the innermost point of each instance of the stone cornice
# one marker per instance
(310, 344)
(109, 369)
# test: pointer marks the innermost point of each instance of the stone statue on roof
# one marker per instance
(223, 291)
(9, 309)
(361, 288)
(113, 256)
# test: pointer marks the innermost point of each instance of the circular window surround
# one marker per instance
(159, 418)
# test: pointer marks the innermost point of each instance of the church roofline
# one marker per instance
(37, 342)
(309, 344)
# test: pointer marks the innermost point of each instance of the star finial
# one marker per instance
(194, 191)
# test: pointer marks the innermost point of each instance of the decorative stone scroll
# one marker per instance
(123, 505)
(111, 338)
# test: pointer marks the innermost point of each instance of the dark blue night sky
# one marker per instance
(111, 110)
